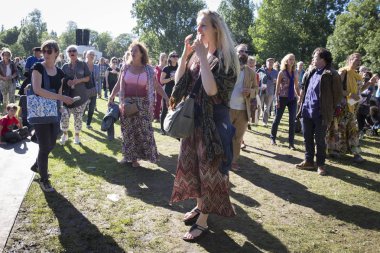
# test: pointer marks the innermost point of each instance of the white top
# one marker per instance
(237, 101)
(9, 71)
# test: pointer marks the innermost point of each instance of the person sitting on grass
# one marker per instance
(11, 130)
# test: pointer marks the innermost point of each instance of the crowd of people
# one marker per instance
(231, 94)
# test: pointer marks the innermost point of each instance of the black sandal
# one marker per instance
(192, 220)
(202, 234)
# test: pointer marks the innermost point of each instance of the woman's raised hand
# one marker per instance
(188, 48)
(199, 48)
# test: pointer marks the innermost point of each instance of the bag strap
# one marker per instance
(196, 87)
(46, 79)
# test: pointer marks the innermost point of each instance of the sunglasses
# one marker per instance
(48, 51)
(114, 62)
(243, 51)
(72, 51)
(174, 56)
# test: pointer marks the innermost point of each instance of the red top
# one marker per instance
(8, 124)
(158, 71)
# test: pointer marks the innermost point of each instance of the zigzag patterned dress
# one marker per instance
(197, 176)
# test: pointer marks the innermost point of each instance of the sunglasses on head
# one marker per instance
(72, 51)
(48, 51)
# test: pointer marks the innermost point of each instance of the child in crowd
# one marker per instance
(11, 130)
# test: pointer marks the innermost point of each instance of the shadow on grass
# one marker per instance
(347, 160)
(294, 192)
(154, 186)
(77, 233)
(273, 155)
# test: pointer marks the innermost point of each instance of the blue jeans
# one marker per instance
(292, 108)
(91, 109)
(313, 129)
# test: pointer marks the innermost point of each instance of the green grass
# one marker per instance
(278, 208)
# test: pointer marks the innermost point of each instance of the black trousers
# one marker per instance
(46, 136)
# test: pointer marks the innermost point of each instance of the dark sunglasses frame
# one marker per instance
(174, 56)
(48, 51)
(72, 51)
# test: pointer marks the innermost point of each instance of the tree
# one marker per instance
(35, 18)
(163, 25)
(68, 36)
(238, 15)
(293, 26)
(102, 40)
(93, 36)
(357, 30)
(32, 30)
(17, 50)
(28, 37)
(118, 46)
(10, 36)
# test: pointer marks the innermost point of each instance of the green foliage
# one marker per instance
(238, 15)
(28, 37)
(17, 50)
(118, 46)
(10, 36)
(358, 30)
(68, 37)
(163, 25)
(102, 40)
(35, 18)
(293, 26)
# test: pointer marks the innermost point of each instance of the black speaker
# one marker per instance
(79, 37)
(86, 37)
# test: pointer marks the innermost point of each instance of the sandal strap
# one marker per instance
(196, 226)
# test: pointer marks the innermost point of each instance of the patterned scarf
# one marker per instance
(225, 83)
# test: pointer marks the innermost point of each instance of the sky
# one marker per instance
(113, 16)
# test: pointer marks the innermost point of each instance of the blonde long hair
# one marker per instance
(284, 62)
(224, 42)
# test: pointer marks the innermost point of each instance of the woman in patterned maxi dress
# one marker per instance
(211, 58)
(136, 84)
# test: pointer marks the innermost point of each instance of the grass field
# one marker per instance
(279, 208)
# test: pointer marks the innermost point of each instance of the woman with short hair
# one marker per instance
(77, 75)
(8, 73)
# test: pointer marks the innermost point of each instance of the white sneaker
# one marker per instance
(76, 139)
(63, 139)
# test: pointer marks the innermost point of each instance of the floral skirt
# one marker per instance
(137, 134)
(196, 177)
(343, 134)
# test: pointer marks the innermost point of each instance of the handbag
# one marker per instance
(79, 90)
(90, 85)
(179, 122)
(42, 110)
(130, 107)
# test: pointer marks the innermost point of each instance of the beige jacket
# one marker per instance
(251, 83)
